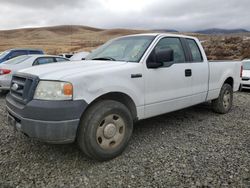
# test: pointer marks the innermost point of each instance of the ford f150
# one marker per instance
(127, 79)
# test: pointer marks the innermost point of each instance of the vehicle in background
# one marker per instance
(127, 79)
(66, 55)
(10, 54)
(79, 56)
(8, 68)
(245, 82)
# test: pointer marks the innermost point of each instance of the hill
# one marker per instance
(64, 39)
(59, 39)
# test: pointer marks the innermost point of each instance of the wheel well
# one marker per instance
(122, 98)
(229, 81)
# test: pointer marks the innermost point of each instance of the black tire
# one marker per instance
(240, 88)
(223, 104)
(101, 118)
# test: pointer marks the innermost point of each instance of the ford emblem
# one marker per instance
(15, 87)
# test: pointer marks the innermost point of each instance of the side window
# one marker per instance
(175, 45)
(44, 60)
(59, 59)
(195, 50)
(17, 53)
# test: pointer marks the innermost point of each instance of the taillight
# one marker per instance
(241, 71)
(4, 71)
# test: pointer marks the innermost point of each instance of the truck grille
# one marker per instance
(23, 87)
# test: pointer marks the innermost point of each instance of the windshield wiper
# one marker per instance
(104, 58)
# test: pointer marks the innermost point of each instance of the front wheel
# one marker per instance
(105, 130)
(224, 102)
(240, 88)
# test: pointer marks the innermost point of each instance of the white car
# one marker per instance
(245, 83)
(68, 56)
(127, 79)
(79, 56)
(10, 67)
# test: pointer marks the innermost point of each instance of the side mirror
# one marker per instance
(162, 57)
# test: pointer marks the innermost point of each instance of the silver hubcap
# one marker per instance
(226, 99)
(110, 132)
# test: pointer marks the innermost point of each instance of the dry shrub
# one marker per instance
(233, 40)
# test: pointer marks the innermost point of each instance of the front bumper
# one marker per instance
(47, 121)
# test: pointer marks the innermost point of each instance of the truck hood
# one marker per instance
(246, 73)
(58, 71)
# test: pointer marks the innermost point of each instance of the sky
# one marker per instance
(182, 15)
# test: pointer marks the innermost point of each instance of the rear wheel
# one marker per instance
(224, 102)
(105, 130)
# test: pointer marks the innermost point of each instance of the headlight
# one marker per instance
(54, 90)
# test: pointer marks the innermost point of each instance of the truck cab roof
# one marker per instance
(161, 35)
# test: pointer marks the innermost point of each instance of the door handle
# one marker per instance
(136, 75)
(188, 72)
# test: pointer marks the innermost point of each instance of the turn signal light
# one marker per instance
(4, 71)
(68, 89)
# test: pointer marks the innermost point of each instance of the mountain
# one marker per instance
(216, 31)
(166, 30)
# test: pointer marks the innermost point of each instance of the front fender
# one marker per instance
(92, 87)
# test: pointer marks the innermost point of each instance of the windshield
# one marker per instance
(16, 60)
(129, 49)
(3, 54)
(246, 65)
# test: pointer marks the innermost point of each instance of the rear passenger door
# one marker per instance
(169, 87)
(200, 72)
(44, 60)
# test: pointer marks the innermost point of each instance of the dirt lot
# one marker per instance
(193, 148)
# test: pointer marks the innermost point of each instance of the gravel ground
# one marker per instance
(189, 148)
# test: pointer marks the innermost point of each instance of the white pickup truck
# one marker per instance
(131, 78)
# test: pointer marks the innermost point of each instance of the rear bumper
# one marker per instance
(47, 121)
(5, 83)
(245, 84)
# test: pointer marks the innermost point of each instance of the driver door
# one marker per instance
(169, 87)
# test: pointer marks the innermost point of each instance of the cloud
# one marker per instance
(183, 15)
(42, 4)
(196, 14)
